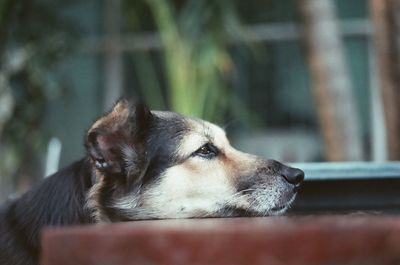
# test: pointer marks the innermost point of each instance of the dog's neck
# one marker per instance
(57, 201)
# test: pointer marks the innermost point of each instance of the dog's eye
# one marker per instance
(206, 151)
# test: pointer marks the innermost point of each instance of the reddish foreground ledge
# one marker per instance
(326, 240)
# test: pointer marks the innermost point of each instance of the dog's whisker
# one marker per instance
(250, 206)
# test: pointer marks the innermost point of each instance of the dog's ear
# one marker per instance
(116, 141)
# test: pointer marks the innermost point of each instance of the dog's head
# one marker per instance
(164, 165)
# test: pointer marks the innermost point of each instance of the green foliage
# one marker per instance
(196, 57)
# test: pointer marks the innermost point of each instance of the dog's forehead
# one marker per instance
(194, 125)
(197, 131)
(208, 130)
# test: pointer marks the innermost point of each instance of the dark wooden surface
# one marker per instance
(327, 240)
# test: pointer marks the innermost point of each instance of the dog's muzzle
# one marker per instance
(271, 189)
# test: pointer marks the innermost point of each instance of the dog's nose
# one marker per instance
(293, 175)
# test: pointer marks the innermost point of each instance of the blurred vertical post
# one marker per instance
(6, 108)
(386, 24)
(379, 147)
(113, 54)
(11, 64)
(332, 88)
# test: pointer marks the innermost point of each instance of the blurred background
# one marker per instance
(297, 81)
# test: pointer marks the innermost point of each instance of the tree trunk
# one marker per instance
(386, 23)
(332, 88)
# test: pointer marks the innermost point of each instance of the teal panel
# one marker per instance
(358, 65)
(278, 86)
(71, 112)
(292, 83)
(355, 9)
(84, 16)
(70, 115)
(254, 11)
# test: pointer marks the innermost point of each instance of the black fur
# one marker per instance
(60, 200)
(57, 201)
(163, 136)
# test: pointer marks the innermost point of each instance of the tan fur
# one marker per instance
(197, 187)
(115, 118)
(92, 202)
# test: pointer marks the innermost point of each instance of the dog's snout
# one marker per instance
(293, 175)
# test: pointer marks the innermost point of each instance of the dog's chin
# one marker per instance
(278, 209)
(239, 212)
(281, 209)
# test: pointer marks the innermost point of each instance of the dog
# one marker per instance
(143, 164)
